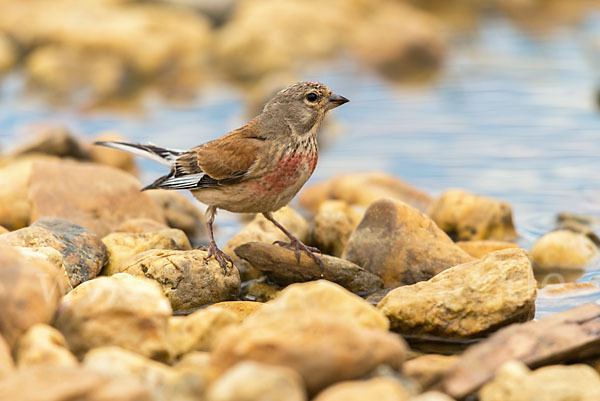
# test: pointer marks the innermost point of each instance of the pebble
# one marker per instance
(187, 278)
(321, 347)
(563, 249)
(467, 300)
(379, 388)
(262, 230)
(28, 293)
(251, 381)
(515, 382)
(83, 254)
(44, 345)
(131, 312)
(401, 245)
(282, 267)
(465, 216)
(122, 246)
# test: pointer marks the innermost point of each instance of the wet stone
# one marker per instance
(282, 267)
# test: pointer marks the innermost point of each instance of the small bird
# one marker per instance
(257, 168)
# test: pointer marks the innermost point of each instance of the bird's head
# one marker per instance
(303, 105)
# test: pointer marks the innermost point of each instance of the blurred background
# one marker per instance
(497, 97)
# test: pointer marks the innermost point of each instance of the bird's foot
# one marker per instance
(297, 246)
(219, 256)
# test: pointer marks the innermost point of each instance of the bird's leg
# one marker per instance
(213, 249)
(295, 243)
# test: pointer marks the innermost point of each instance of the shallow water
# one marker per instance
(512, 116)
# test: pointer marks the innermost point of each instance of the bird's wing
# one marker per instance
(226, 160)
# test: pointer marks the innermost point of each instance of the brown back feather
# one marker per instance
(230, 156)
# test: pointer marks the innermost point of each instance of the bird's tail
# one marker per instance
(160, 155)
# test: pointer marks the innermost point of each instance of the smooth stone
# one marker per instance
(557, 338)
(333, 225)
(15, 206)
(48, 255)
(579, 224)
(465, 216)
(83, 253)
(282, 267)
(479, 248)
(111, 157)
(515, 382)
(140, 225)
(44, 345)
(563, 249)
(321, 347)
(410, 51)
(262, 230)
(378, 388)
(107, 45)
(251, 381)
(28, 293)
(182, 213)
(429, 369)
(199, 331)
(7, 365)
(131, 312)
(122, 246)
(199, 361)
(8, 54)
(259, 290)
(62, 188)
(432, 396)
(51, 140)
(362, 190)
(60, 383)
(467, 300)
(163, 381)
(326, 297)
(242, 309)
(401, 245)
(187, 278)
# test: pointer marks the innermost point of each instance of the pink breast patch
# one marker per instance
(291, 168)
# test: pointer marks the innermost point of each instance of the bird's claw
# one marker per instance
(296, 245)
(220, 256)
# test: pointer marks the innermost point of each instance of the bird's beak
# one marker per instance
(335, 101)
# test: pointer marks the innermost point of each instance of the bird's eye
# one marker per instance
(312, 97)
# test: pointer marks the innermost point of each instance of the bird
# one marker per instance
(257, 168)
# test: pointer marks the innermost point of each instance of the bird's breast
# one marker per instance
(292, 169)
